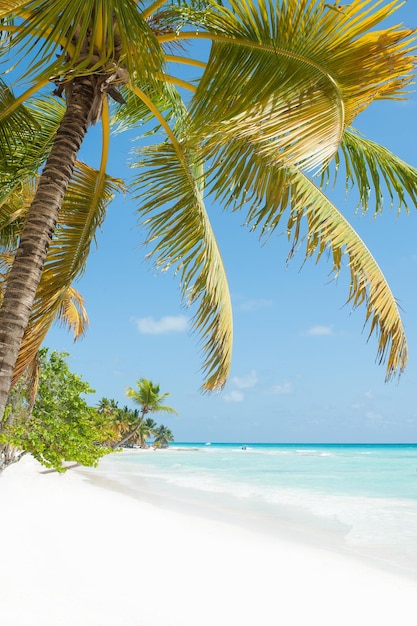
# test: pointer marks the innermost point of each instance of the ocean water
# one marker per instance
(360, 499)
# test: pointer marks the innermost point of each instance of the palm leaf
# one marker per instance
(82, 212)
(19, 168)
(374, 170)
(72, 313)
(135, 113)
(290, 76)
(327, 228)
(17, 127)
(82, 37)
(270, 192)
(13, 209)
(183, 238)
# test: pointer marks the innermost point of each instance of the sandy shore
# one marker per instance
(75, 553)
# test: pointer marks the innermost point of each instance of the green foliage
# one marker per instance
(148, 397)
(63, 427)
(130, 426)
(163, 436)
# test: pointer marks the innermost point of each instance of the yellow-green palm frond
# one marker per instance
(134, 113)
(367, 63)
(328, 229)
(17, 127)
(13, 209)
(374, 170)
(22, 162)
(72, 313)
(270, 193)
(289, 76)
(274, 96)
(8, 6)
(82, 213)
(67, 308)
(82, 37)
(173, 212)
(172, 17)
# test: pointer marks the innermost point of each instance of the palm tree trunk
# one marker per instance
(125, 439)
(39, 228)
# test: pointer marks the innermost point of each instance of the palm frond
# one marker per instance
(17, 127)
(82, 212)
(289, 76)
(284, 103)
(328, 228)
(375, 171)
(30, 152)
(8, 6)
(268, 193)
(134, 113)
(82, 37)
(72, 313)
(172, 210)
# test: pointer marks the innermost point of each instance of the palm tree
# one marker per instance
(120, 420)
(142, 435)
(107, 406)
(146, 430)
(272, 105)
(163, 436)
(150, 424)
(148, 397)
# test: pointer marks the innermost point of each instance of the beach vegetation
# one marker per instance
(261, 126)
(57, 425)
(163, 437)
(129, 427)
(148, 397)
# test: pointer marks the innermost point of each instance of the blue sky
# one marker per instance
(302, 370)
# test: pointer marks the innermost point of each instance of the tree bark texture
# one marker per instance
(39, 228)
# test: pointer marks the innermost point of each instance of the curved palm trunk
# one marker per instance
(39, 229)
(130, 434)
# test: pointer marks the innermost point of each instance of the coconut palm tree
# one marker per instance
(120, 420)
(142, 435)
(163, 436)
(271, 106)
(107, 406)
(145, 431)
(148, 397)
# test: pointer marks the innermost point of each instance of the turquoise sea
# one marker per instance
(360, 499)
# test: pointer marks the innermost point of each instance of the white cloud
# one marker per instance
(234, 396)
(316, 331)
(245, 382)
(254, 305)
(167, 324)
(283, 389)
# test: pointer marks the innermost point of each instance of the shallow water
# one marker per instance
(360, 498)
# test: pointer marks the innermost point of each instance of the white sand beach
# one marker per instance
(76, 553)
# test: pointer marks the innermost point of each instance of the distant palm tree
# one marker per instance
(148, 397)
(151, 424)
(106, 406)
(146, 430)
(124, 421)
(163, 436)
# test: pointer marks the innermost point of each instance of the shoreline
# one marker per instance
(82, 554)
(285, 522)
